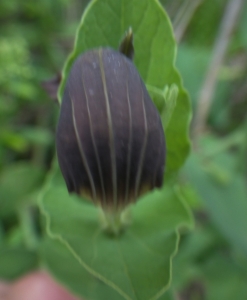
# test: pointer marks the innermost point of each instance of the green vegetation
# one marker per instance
(163, 254)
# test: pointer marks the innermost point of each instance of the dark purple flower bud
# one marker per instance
(110, 140)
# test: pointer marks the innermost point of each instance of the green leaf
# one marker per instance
(158, 96)
(37, 135)
(165, 101)
(104, 23)
(15, 262)
(224, 193)
(71, 273)
(14, 237)
(13, 140)
(170, 104)
(192, 62)
(195, 248)
(17, 182)
(224, 278)
(136, 264)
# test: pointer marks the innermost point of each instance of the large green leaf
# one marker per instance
(135, 265)
(105, 22)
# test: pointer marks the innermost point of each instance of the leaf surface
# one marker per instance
(26, 179)
(224, 194)
(16, 261)
(136, 264)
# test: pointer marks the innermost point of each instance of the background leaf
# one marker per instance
(26, 178)
(224, 194)
(15, 262)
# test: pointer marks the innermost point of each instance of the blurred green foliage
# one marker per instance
(35, 38)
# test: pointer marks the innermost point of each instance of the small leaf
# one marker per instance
(165, 101)
(158, 96)
(170, 104)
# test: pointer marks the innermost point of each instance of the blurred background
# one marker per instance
(35, 39)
